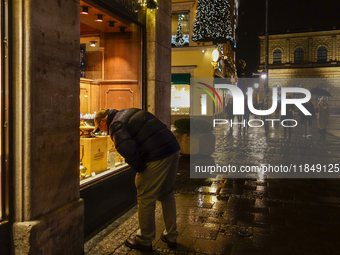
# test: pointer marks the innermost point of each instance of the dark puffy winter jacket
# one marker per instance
(140, 137)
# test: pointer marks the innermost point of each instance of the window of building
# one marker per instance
(298, 56)
(111, 77)
(180, 99)
(324, 87)
(277, 57)
(322, 54)
(180, 94)
(180, 29)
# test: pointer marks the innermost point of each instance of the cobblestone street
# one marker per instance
(249, 215)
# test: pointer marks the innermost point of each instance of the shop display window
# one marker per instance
(110, 77)
(180, 99)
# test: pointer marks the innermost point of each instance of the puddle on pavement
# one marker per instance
(208, 190)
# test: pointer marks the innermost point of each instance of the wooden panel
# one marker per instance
(84, 98)
(93, 65)
(120, 96)
(123, 56)
(111, 94)
(95, 98)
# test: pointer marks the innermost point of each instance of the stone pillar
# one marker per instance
(334, 48)
(287, 51)
(48, 211)
(158, 68)
(310, 50)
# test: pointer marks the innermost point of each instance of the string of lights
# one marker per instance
(212, 22)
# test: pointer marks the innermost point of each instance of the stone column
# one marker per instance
(310, 50)
(334, 48)
(287, 51)
(48, 211)
(159, 61)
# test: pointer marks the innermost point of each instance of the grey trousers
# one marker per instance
(157, 183)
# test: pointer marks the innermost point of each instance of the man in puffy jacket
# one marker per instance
(152, 150)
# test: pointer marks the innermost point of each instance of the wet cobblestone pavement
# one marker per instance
(249, 215)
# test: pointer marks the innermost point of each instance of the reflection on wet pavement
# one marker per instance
(248, 216)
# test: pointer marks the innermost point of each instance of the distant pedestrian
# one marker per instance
(278, 110)
(246, 111)
(230, 113)
(323, 117)
(306, 120)
(289, 117)
(260, 105)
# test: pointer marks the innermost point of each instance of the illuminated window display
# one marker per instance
(110, 71)
(180, 29)
(180, 99)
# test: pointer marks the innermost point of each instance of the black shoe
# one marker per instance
(133, 244)
(170, 244)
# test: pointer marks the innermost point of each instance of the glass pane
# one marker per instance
(111, 77)
(180, 30)
(180, 99)
(277, 57)
(298, 56)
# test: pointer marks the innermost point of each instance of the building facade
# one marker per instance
(305, 59)
(191, 59)
(50, 75)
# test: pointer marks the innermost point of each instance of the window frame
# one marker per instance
(277, 57)
(299, 56)
(321, 54)
(189, 28)
(185, 7)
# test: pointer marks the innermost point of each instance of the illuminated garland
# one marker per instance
(212, 22)
(179, 36)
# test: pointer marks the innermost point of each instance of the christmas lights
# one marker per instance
(212, 22)
(179, 36)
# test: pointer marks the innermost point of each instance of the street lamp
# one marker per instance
(215, 56)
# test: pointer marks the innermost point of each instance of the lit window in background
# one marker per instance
(180, 99)
(183, 27)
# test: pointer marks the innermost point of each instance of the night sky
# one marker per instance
(283, 15)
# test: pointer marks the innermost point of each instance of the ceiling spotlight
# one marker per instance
(99, 17)
(122, 28)
(85, 9)
(112, 23)
(203, 51)
(93, 43)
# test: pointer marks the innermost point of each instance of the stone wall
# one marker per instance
(310, 74)
(48, 214)
(159, 61)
